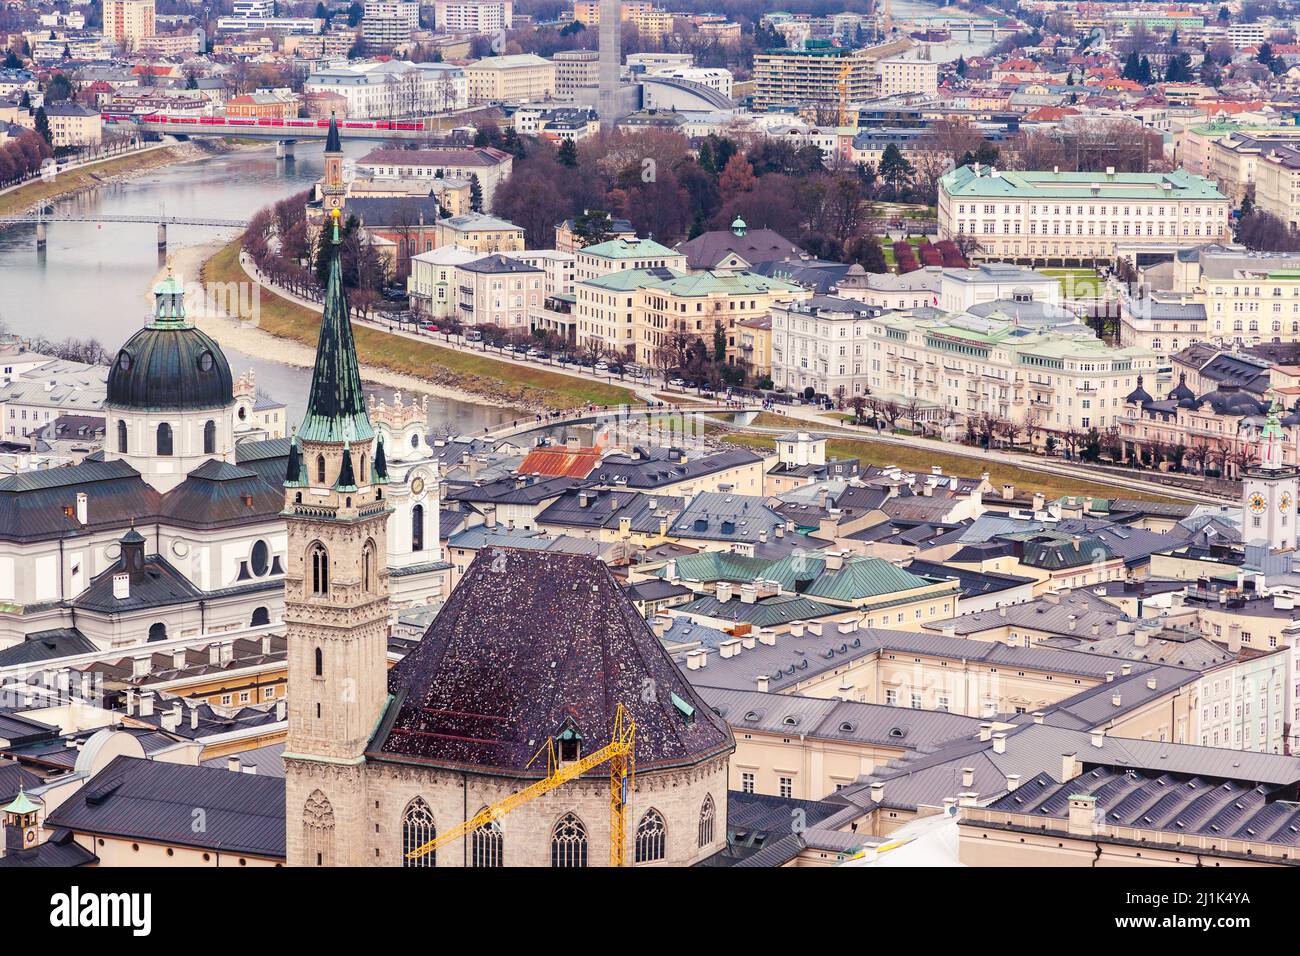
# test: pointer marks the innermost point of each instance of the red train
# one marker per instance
(163, 119)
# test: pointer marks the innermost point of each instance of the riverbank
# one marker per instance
(437, 370)
(39, 192)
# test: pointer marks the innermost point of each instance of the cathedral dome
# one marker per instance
(169, 365)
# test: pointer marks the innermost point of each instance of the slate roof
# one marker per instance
(757, 245)
(47, 645)
(517, 652)
(1201, 804)
(220, 493)
(723, 516)
(764, 612)
(604, 508)
(658, 470)
(59, 850)
(520, 490)
(158, 584)
(972, 583)
(154, 801)
(837, 719)
(32, 503)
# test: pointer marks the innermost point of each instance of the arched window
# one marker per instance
(363, 476)
(320, 663)
(650, 837)
(260, 616)
(417, 528)
(707, 814)
(158, 631)
(368, 566)
(121, 437)
(320, 469)
(485, 845)
(318, 830)
(260, 559)
(569, 842)
(320, 569)
(164, 439)
(417, 830)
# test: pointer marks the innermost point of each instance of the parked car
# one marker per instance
(473, 335)
(677, 383)
(602, 366)
(429, 327)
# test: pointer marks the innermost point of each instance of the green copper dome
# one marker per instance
(169, 365)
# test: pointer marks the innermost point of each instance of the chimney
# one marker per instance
(986, 732)
(1070, 767)
(834, 560)
(761, 683)
(490, 516)
(1040, 501)
(999, 743)
(281, 709)
(232, 764)
(83, 513)
(967, 799)
(1098, 737)
(1013, 781)
(178, 659)
(815, 628)
(1038, 716)
(1008, 492)
(140, 665)
(748, 594)
(214, 653)
(1141, 636)
(748, 641)
(1110, 677)
(724, 591)
(766, 637)
(877, 792)
(1126, 669)
(130, 701)
(796, 628)
(1117, 700)
(121, 586)
(1151, 683)
(660, 623)
(729, 648)
(194, 716)
(967, 777)
(1083, 815)
(697, 659)
(146, 704)
(172, 719)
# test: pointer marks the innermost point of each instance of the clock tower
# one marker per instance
(1269, 492)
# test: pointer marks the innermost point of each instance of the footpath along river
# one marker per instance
(92, 280)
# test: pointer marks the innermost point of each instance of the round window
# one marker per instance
(123, 361)
(259, 559)
(205, 362)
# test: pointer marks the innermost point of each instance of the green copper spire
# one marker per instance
(336, 405)
(169, 303)
(22, 804)
(332, 143)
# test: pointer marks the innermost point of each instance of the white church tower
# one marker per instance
(1269, 492)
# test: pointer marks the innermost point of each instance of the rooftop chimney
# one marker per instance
(1039, 716)
(1013, 781)
(232, 764)
(729, 648)
(1117, 700)
(146, 704)
(1098, 738)
(697, 659)
(999, 743)
(121, 586)
(967, 777)
(761, 683)
(178, 659)
(1083, 815)
(140, 665)
(1070, 767)
(986, 732)
(82, 508)
(877, 792)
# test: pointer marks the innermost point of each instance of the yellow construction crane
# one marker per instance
(846, 70)
(622, 774)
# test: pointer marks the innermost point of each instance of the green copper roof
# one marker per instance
(964, 182)
(169, 303)
(625, 249)
(336, 405)
(22, 804)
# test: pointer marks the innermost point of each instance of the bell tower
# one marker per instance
(1269, 492)
(335, 595)
(332, 187)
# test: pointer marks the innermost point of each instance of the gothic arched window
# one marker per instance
(121, 437)
(318, 830)
(368, 566)
(164, 439)
(210, 438)
(417, 830)
(569, 842)
(485, 845)
(320, 569)
(417, 528)
(650, 837)
(707, 814)
(320, 469)
(320, 663)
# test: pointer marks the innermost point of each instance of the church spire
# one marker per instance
(336, 405)
(332, 142)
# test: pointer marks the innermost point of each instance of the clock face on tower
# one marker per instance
(1257, 503)
(1284, 503)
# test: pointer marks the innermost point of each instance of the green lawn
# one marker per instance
(1077, 283)
(471, 372)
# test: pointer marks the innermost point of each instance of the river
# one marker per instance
(92, 279)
